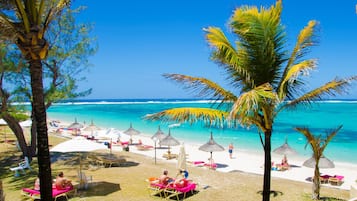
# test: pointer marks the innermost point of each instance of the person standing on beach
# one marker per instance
(230, 150)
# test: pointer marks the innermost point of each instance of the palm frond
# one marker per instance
(329, 136)
(311, 139)
(227, 56)
(211, 117)
(336, 86)
(305, 40)
(250, 104)
(261, 39)
(203, 87)
(287, 85)
(7, 28)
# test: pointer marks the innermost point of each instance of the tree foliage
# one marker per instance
(265, 77)
(318, 144)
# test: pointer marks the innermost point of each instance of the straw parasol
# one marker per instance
(131, 131)
(169, 141)
(285, 149)
(211, 146)
(159, 135)
(91, 128)
(323, 163)
(75, 125)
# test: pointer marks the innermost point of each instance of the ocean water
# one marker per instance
(320, 118)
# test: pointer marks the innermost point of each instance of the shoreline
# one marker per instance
(243, 161)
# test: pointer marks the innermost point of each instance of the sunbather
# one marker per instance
(164, 178)
(62, 182)
(37, 183)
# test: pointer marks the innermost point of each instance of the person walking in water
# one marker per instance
(230, 150)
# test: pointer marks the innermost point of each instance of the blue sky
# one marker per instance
(139, 40)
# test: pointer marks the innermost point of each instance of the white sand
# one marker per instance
(247, 162)
(250, 162)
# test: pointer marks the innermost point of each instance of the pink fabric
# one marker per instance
(198, 162)
(339, 177)
(189, 187)
(55, 192)
(326, 176)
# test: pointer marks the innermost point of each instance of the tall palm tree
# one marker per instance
(318, 145)
(265, 77)
(25, 24)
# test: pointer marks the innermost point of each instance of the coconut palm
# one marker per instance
(264, 76)
(25, 23)
(318, 145)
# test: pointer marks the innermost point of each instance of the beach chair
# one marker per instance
(336, 180)
(212, 166)
(324, 179)
(177, 191)
(56, 193)
(169, 156)
(25, 164)
(144, 147)
(155, 188)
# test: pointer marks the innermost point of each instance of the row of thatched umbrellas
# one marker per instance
(211, 145)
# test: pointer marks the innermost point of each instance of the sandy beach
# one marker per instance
(251, 163)
(239, 178)
(242, 161)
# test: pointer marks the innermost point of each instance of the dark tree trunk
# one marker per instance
(39, 109)
(33, 145)
(267, 165)
(16, 128)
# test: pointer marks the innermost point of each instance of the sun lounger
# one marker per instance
(25, 164)
(155, 188)
(56, 193)
(144, 147)
(324, 178)
(174, 190)
(212, 166)
(197, 163)
(336, 180)
(169, 156)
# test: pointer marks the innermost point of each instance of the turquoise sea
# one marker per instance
(320, 117)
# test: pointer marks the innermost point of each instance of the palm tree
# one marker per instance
(318, 145)
(25, 24)
(264, 76)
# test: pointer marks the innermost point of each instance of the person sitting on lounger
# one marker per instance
(284, 163)
(62, 182)
(37, 183)
(164, 178)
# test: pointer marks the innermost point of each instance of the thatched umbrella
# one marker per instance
(131, 131)
(159, 135)
(285, 149)
(91, 128)
(323, 163)
(169, 141)
(211, 146)
(75, 125)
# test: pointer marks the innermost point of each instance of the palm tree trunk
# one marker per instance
(2, 196)
(316, 181)
(39, 109)
(267, 165)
